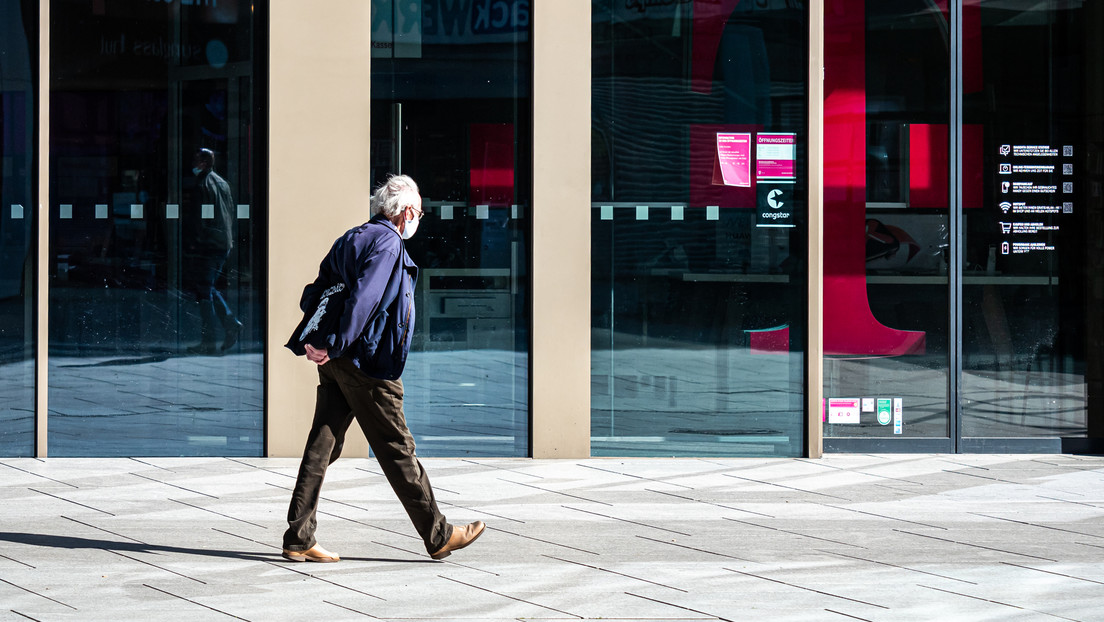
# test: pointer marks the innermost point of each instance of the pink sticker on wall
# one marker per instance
(733, 159)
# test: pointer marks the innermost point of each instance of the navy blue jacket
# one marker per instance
(378, 317)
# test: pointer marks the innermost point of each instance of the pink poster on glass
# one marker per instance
(706, 183)
(775, 155)
(734, 159)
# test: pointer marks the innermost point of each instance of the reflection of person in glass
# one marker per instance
(359, 374)
(208, 238)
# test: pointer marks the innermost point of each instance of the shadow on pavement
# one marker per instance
(70, 542)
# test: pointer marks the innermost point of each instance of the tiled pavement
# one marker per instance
(856, 537)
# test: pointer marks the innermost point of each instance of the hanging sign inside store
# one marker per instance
(401, 27)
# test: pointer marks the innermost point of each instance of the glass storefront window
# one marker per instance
(18, 83)
(698, 229)
(451, 108)
(156, 256)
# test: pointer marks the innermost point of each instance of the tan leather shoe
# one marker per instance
(461, 537)
(314, 554)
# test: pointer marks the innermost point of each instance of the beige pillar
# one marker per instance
(814, 441)
(42, 221)
(561, 229)
(319, 183)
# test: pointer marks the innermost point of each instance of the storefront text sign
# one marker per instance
(775, 155)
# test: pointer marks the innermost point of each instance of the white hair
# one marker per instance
(394, 195)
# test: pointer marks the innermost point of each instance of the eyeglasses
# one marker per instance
(417, 211)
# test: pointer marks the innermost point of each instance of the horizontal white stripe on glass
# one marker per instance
(16, 211)
(243, 212)
(207, 440)
(468, 439)
(172, 211)
(137, 211)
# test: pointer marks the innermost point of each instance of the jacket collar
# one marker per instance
(381, 219)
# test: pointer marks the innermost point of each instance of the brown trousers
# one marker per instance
(344, 393)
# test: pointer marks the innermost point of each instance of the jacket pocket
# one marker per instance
(369, 341)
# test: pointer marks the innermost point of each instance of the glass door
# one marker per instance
(1032, 284)
(887, 227)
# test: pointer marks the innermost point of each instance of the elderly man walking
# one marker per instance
(358, 329)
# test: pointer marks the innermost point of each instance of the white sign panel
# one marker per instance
(843, 410)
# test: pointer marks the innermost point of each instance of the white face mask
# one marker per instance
(409, 228)
(196, 171)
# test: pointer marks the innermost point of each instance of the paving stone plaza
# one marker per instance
(847, 537)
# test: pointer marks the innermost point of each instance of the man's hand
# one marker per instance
(317, 356)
